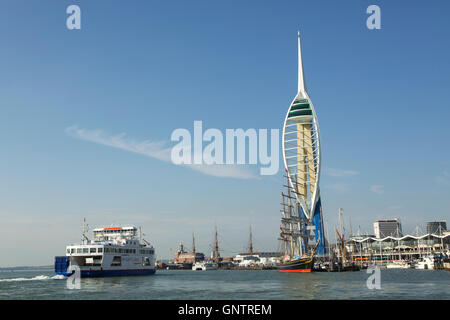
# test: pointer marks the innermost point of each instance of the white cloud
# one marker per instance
(444, 178)
(338, 187)
(158, 150)
(333, 172)
(376, 188)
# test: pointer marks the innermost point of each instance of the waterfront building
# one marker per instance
(385, 228)
(436, 227)
(263, 259)
(375, 249)
(182, 256)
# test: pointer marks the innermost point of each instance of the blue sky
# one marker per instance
(145, 68)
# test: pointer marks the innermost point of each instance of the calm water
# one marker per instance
(227, 284)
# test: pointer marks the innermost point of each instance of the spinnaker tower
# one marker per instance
(302, 160)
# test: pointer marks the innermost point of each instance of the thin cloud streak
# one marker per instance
(340, 173)
(157, 150)
(379, 189)
(338, 187)
(443, 179)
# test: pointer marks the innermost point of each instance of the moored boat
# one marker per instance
(425, 263)
(205, 265)
(399, 264)
(297, 264)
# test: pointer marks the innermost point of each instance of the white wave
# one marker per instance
(41, 277)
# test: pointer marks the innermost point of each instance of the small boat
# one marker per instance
(399, 264)
(426, 263)
(205, 265)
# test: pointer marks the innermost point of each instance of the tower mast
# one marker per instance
(216, 247)
(193, 248)
(250, 245)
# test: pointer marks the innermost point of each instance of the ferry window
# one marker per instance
(107, 250)
(85, 250)
(100, 250)
(78, 250)
(92, 250)
(72, 250)
(68, 250)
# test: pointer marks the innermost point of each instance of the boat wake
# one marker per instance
(41, 277)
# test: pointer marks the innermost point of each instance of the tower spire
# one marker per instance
(301, 78)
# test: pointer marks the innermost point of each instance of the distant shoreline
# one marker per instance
(25, 268)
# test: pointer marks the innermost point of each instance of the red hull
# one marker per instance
(298, 270)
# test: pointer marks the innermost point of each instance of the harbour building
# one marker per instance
(385, 228)
(302, 161)
(182, 256)
(379, 250)
(436, 227)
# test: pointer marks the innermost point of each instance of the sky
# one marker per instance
(86, 117)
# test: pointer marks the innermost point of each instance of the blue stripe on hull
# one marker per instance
(112, 273)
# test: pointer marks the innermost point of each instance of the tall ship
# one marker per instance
(113, 251)
(297, 257)
(301, 221)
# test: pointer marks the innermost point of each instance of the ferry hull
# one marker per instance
(111, 273)
(299, 265)
(62, 265)
(116, 273)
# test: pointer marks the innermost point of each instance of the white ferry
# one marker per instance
(114, 251)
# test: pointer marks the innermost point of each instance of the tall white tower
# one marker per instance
(302, 155)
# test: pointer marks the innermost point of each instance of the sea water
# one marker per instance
(230, 284)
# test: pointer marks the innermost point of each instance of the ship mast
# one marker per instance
(216, 257)
(250, 245)
(292, 229)
(84, 238)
